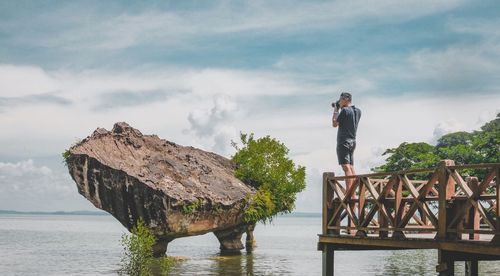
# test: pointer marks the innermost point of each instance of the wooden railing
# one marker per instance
(391, 204)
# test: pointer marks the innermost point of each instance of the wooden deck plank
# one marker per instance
(415, 241)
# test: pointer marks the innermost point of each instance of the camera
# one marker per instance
(343, 95)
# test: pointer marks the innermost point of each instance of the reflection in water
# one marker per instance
(90, 245)
(249, 264)
(228, 265)
(237, 264)
(410, 262)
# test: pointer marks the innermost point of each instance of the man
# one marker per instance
(347, 120)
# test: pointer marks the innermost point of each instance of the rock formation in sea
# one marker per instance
(178, 191)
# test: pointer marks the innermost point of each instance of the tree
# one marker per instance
(264, 164)
(454, 139)
(409, 156)
(482, 146)
(457, 146)
(487, 141)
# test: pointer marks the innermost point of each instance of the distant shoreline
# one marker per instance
(56, 213)
(102, 213)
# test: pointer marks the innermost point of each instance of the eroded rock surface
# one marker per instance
(178, 191)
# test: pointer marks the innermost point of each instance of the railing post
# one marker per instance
(496, 238)
(327, 201)
(398, 206)
(446, 191)
(473, 217)
(382, 221)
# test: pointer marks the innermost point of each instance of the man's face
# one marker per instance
(344, 102)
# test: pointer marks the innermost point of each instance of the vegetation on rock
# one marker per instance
(191, 207)
(65, 155)
(138, 257)
(264, 164)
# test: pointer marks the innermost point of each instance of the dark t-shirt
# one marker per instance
(348, 120)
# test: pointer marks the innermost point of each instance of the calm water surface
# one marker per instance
(90, 245)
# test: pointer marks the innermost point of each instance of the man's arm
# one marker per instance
(335, 123)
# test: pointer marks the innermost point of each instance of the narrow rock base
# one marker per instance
(250, 240)
(230, 239)
(160, 248)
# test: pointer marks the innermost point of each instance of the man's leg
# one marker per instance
(352, 171)
(348, 171)
(349, 182)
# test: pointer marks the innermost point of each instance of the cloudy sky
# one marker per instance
(199, 72)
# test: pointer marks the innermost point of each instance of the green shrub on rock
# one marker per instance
(138, 257)
(264, 164)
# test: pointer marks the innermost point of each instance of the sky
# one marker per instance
(200, 72)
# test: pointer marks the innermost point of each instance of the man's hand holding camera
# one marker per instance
(336, 110)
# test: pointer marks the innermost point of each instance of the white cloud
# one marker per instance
(445, 127)
(27, 186)
(458, 66)
(17, 81)
(176, 28)
(182, 93)
(487, 28)
(213, 126)
(215, 105)
(486, 116)
(23, 168)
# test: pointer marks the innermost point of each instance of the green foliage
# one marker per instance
(481, 146)
(138, 257)
(261, 206)
(487, 141)
(166, 264)
(454, 139)
(191, 207)
(264, 164)
(65, 156)
(409, 156)
(66, 153)
(138, 250)
(217, 208)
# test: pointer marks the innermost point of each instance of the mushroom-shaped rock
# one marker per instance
(178, 191)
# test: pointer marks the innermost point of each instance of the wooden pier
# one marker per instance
(457, 215)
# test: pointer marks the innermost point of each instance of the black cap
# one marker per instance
(346, 95)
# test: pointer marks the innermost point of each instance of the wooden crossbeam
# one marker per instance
(343, 200)
(485, 183)
(399, 205)
(388, 187)
(361, 202)
(422, 204)
(375, 194)
(339, 207)
(421, 195)
(472, 199)
(345, 197)
(461, 183)
(369, 216)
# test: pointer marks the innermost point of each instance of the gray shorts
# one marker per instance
(345, 152)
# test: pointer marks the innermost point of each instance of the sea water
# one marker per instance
(90, 245)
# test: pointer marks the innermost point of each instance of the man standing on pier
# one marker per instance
(346, 117)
